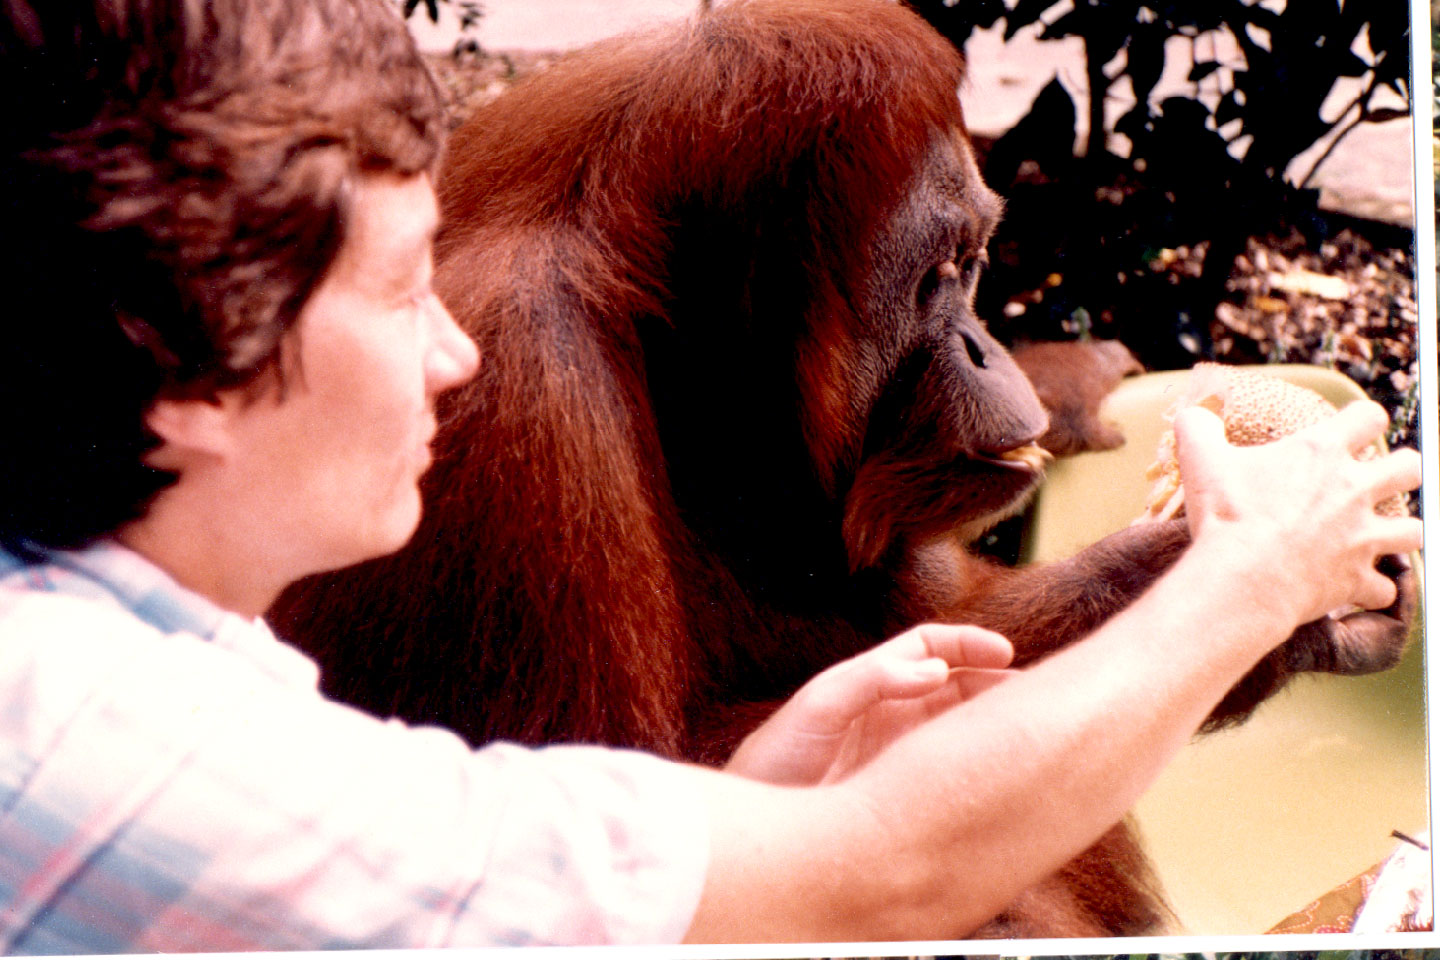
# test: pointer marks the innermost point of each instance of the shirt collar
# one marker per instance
(109, 572)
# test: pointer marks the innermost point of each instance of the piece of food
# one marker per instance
(1256, 408)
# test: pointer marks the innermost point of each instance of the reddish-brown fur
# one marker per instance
(728, 426)
(1071, 380)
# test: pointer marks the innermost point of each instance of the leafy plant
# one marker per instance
(469, 12)
(1288, 63)
(1207, 167)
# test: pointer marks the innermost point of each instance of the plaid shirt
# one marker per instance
(171, 780)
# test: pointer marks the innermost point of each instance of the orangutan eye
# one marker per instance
(933, 279)
(970, 267)
(962, 268)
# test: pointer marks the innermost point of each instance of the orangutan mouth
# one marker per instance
(1030, 458)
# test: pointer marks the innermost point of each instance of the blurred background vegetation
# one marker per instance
(1181, 225)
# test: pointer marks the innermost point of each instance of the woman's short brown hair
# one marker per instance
(174, 178)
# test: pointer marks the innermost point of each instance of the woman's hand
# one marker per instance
(1301, 510)
(848, 713)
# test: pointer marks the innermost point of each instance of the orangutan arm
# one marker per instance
(951, 820)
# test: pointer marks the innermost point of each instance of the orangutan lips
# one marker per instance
(1029, 457)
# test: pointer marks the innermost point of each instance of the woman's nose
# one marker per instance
(453, 357)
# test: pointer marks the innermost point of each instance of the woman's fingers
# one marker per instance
(960, 645)
(972, 682)
(912, 664)
(1396, 472)
(1301, 511)
(1201, 450)
(1401, 535)
(1357, 425)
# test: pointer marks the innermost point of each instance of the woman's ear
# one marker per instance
(189, 426)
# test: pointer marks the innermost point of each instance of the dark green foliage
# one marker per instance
(1289, 63)
(1196, 170)
(432, 7)
(468, 11)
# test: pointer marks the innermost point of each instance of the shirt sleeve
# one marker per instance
(161, 793)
